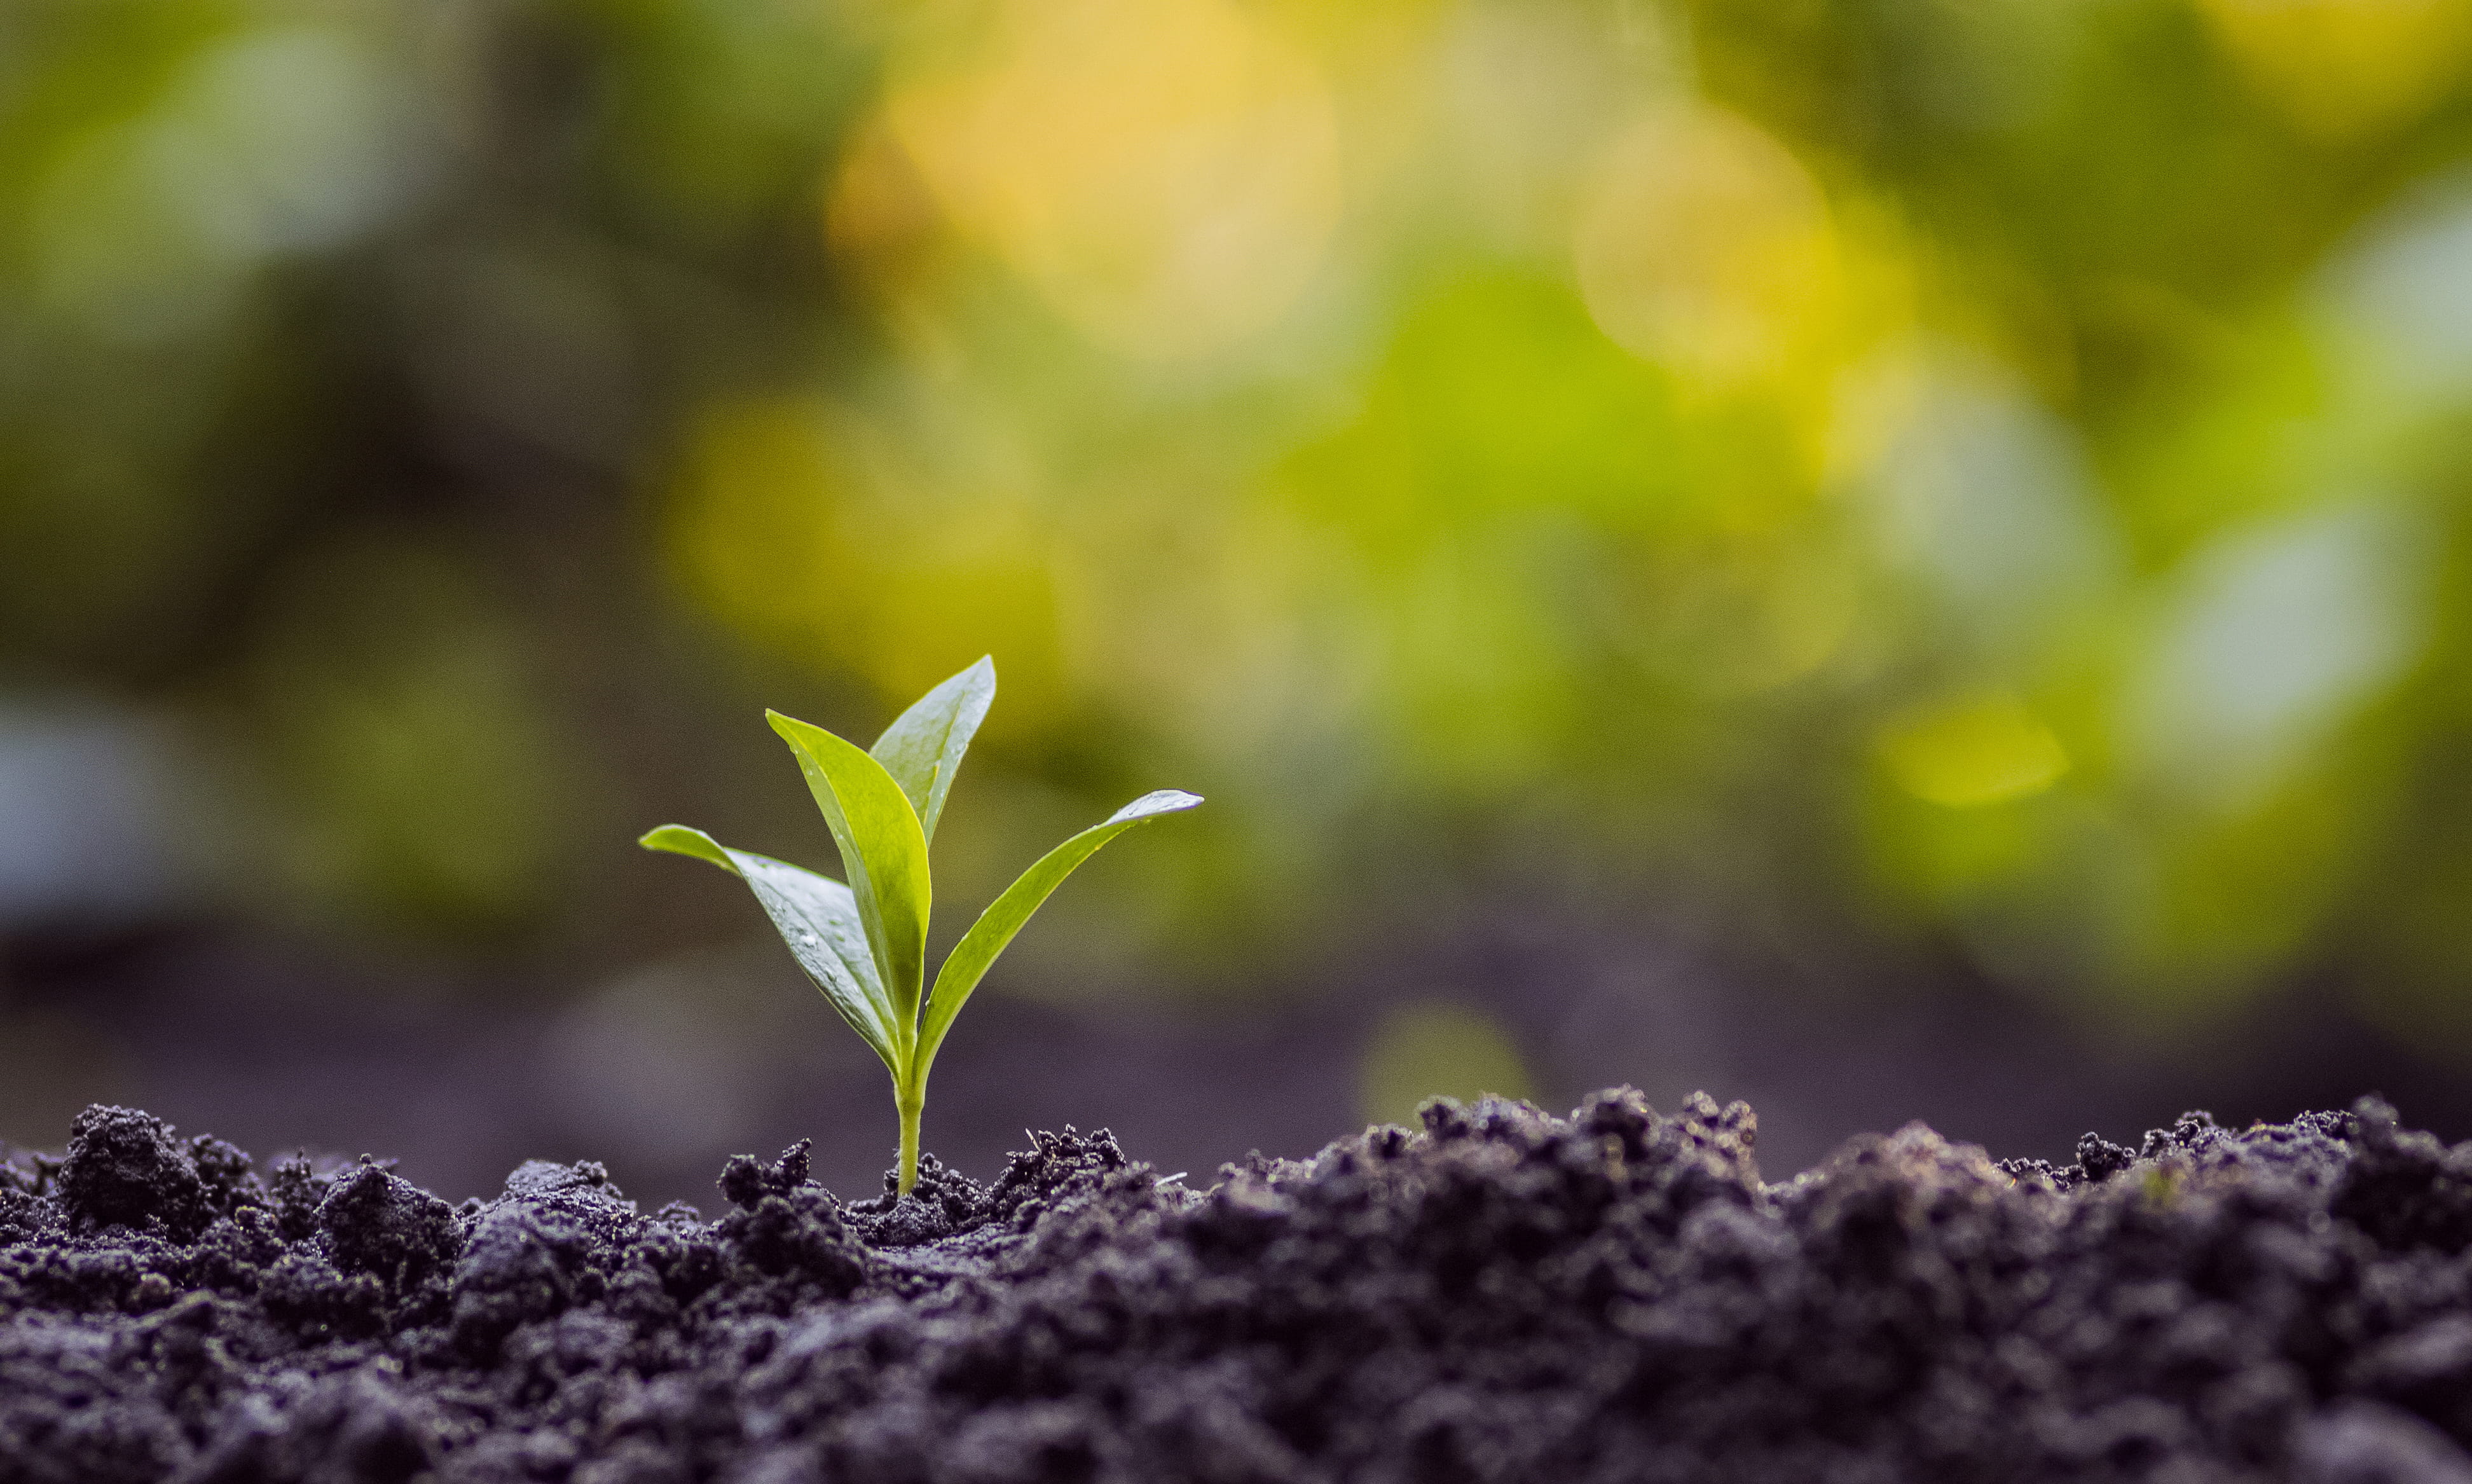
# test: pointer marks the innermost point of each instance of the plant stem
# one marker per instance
(910, 1101)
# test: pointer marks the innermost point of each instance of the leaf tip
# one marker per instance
(1164, 800)
(791, 729)
(684, 839)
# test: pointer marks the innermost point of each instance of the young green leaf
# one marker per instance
(883, 851)
(818, 918)
(922, 749)
(996, 926)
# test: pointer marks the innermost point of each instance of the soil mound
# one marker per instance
(1501, 1295)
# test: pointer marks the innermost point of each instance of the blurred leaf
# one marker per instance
(1973, 750)
(1436, 1051)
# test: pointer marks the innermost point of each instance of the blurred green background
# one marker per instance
(1897, 558)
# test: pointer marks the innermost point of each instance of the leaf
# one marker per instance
(923, 747)
(818, 918)
(995, 927)
(883, 851)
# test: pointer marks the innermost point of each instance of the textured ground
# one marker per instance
(1500, 1295)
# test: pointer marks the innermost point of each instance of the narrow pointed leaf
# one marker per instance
(884, 852)
(818, 918)
(922, 749)
(1004, 916)
(684, 839)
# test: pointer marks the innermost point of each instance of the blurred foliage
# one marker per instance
(1436, 1051)
(1989, 478)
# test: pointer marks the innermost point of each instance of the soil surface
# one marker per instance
(1501, 1295)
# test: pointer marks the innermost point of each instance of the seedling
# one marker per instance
(865, 943)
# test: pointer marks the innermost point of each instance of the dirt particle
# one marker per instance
(123, 1168)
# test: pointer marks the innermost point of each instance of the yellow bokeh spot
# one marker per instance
(751, 523)
(1975, 750)
(1166, 171)
(2343, 67)
(1436, 1051)
(1705, 246)
(783, 522)
(877, 213)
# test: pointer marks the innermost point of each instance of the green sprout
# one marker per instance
(865, 943)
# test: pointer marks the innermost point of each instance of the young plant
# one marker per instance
(865, 943)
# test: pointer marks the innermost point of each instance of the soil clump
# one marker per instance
(1498, 1296)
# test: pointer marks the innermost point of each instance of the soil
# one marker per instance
(1501, 1295)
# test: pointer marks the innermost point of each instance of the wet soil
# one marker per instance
(1500, 1294)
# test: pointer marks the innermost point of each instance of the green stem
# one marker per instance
(910, 1101)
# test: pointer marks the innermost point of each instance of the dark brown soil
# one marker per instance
(1500, 1295)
